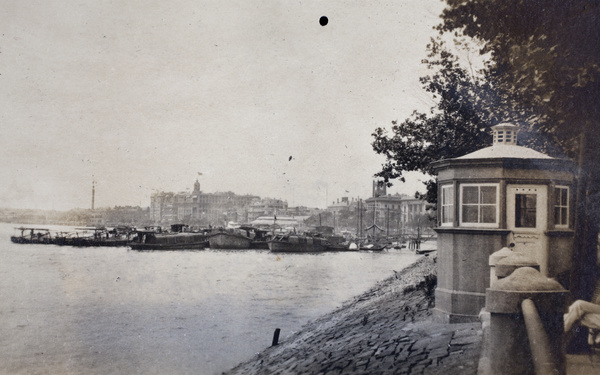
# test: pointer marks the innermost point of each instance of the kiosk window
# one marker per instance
(561, 206)
(479, 205)
(525, 210)
(448, 205)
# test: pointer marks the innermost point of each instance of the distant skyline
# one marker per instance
(258, 97)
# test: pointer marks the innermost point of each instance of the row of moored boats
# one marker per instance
(181, 237)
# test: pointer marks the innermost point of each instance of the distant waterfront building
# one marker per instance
(393, 214)
(398, 213)
(340, 205)
(283, 222)
(302, 211)
(200, 208)
(379, 188)
(266, 207)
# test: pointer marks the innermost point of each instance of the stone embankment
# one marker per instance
(387, 330)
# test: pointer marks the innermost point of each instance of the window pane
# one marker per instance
(564, 197)
(469, 214)
(488, 194)
(488, 214)
(479, 204)
(560, 216)
(447, 204)
(561, 206)
(525, 210)
(447, 214)
(470, 194)
(447, 194)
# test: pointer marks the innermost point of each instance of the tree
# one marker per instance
(546, 55)
(542, 74)
(467, 104)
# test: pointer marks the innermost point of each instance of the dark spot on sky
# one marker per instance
(323, 21)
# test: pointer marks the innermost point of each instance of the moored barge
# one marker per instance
(153, 238)
(298, 244)
(33, 236)
(150, 240)
(229, 240)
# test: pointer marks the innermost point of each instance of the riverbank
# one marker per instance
(386, 330)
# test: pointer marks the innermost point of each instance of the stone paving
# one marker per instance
(387, 330)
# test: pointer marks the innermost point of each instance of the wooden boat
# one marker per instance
(341, 247)
(298, 244)
(327, 232)
(260, 237)
(33, 236)
(372, 246)
(94, 237)
(232, 240)
(367, 244)
(426, 247)
(259, 244)
(150, 239)
(105, 237)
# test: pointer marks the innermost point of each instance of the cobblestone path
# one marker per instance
(387, 330)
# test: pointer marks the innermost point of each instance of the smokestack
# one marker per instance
(93, 193)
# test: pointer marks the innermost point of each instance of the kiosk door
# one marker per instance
(527, 218)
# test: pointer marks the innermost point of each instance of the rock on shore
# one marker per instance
(386, 330)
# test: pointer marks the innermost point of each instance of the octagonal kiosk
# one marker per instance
(492, 198)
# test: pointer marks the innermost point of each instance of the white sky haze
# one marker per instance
(143, 95)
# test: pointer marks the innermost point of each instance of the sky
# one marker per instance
(254, 97)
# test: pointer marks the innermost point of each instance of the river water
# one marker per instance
(66, 310)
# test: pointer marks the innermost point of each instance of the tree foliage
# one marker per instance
(545, 54)
(467, 104)
(543, 74)
(455, 125)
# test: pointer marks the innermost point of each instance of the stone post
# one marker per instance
(508, 264)
(494, 259)
(508, 345)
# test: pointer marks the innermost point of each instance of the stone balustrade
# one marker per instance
(517, 279)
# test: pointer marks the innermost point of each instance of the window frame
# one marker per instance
(496, 204)
(522, 210)
(450, 205)
(566, 207)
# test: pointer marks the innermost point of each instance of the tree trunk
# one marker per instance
(585, 257)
